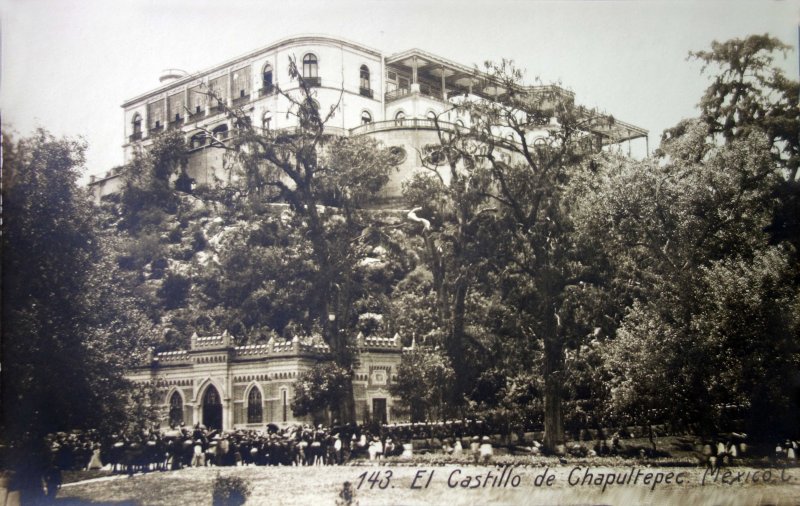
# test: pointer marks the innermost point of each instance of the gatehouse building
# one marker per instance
(224, 386)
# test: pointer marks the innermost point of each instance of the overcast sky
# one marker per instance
(67, 65)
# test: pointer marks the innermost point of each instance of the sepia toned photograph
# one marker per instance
(400, 252)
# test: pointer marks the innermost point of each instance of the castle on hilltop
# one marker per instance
(224, 386)
(392, 98)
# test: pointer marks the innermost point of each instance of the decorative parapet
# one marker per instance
(224, 350)
(211, 342)
(272, 347)
(379, 343)
(172, 358)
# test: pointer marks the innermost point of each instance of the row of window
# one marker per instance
(199, 140)
(255, 407)
(241, 90)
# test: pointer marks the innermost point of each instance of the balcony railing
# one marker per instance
(365, 92)
(424, 90)
(198, 115)
(396, 94)
(313, 81)
(266, 91)
(406, 123)
(176, 124)
(156, 129)
(241, 100)
(136, 136)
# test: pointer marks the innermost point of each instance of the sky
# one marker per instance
(68, 65)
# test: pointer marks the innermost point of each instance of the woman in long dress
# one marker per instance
(94, 461)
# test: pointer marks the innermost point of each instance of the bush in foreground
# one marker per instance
(229, 491)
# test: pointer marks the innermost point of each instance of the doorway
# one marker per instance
(212, 409)
(379, 410)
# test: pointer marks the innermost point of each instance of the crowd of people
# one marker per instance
(308, 445)
(295, 445)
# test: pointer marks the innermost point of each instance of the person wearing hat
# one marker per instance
(375, 448)
(389, 448)
(486, 450)
(198, 456)
(458, 450)
(337, 448)
(474, 448)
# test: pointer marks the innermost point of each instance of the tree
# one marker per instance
(529, 140)
(322, 387)
(749, 93)
(457, 232)
(691, 238)
(148, 189)
(62, 366)
(423, 378)
(304, 167)
(664, 225)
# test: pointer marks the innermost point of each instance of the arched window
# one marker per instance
(136, 126)
(266, 120)
(399, 117)
(311, 70)
(364, 87)
(175, 409)
(366, 118)
(220, 132)
(254, 406)
(266, 80)
(197, 141)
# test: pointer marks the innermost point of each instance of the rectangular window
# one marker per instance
(219, 88)
(155, 115)
(197, 100)
(284, 401)
(241, 82)
(175, 105)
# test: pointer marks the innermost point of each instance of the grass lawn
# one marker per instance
(392, 485)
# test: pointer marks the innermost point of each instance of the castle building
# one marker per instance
(224, 386)
(392, 98)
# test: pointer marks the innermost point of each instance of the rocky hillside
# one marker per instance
(198, 266)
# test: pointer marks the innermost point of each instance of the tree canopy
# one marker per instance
(68, 334)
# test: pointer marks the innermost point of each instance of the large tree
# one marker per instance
(455, 219)
(527, 141)
(695, 237)
(67, 336)
(309, 169)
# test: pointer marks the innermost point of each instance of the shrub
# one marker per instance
(174, 291)
(229, 491)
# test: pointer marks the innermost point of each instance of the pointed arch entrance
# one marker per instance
(212, 408)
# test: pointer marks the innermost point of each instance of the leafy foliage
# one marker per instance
(69, 334)
(322, 387)
(148, 191)
(423, 379)
(688, 238)
(229, 491)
